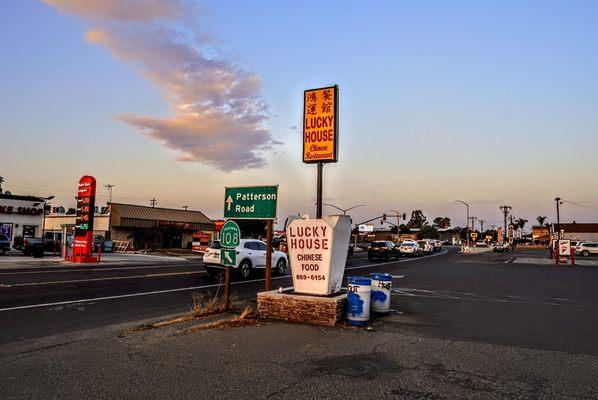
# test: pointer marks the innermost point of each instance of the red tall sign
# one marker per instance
(83, 245)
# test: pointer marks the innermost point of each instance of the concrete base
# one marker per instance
(289, 306)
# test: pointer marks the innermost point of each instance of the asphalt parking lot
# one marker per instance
(462, 329)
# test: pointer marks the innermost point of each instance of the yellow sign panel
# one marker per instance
(320, 125)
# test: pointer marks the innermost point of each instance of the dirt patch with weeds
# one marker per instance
(202, 307)
(247, 317)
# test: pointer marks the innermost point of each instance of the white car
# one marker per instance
(426, 246)
(586, 248)
(251, 255)
(410, 248)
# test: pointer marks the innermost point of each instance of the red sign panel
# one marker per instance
(86, 194)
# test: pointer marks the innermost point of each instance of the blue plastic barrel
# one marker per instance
(381, 288)
(358, 300)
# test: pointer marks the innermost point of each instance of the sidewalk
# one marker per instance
(287, 361)
(18, 260)
(548, 261)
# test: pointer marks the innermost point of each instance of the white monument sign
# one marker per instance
(564, 248)
(318, 253)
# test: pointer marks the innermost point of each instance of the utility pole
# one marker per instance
(466, 223)
(473, 220)
(154, 202)
(109, 187)
(505, 210)
(399, 215)
(558, 217)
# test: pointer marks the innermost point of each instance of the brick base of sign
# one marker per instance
(288, 306)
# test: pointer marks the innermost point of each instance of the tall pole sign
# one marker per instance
(83, 244)
(320, 132)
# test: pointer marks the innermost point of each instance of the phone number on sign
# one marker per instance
(311, 277)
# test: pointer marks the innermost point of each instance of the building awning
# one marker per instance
(136, 216)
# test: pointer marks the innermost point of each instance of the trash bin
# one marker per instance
(358, 300)
(381, 287)
(38, 250)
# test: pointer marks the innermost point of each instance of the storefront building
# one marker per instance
(142, 226)
(21, 216)
(578, 231)
(156, 227)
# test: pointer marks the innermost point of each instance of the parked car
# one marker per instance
(586, 248)
(500, 248)
(411, 249)
(50, 241)
(426, 246)
(383, 249)
(4, 243)
(251, 255)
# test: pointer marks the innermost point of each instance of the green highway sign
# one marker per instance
(230, 234)
(228, 257)
(256, 202)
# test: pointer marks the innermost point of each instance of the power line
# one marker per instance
(579, 205)
(44, 189)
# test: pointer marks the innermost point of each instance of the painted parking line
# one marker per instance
(215, 285)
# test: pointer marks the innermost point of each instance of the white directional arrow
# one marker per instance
(227, 256)
(229, 202)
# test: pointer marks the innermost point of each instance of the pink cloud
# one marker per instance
(218, 108)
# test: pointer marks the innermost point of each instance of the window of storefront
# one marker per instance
(6, 229)
(29, 230)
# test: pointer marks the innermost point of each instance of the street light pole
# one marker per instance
(558, 218)
(505, 210)
(467, 223)
(45, 199)
(344, 210)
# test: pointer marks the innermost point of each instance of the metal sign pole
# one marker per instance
(319, 190)
(227, 287)
(268, 254)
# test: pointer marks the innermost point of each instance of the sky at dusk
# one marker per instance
(488, 102)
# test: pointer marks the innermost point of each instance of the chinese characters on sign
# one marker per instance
(320, 125)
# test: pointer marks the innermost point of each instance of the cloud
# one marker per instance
(218, 108)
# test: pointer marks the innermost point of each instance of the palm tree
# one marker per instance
(521, 224)
(541, 220)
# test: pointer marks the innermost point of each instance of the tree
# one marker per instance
(418, 219)
(442, 222)
(521, 224)
(541, 220)
(428, 232)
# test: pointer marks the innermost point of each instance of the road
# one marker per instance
(52, 300)
(475, 298)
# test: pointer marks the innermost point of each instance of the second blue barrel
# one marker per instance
(381, 287)
(358, 300)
